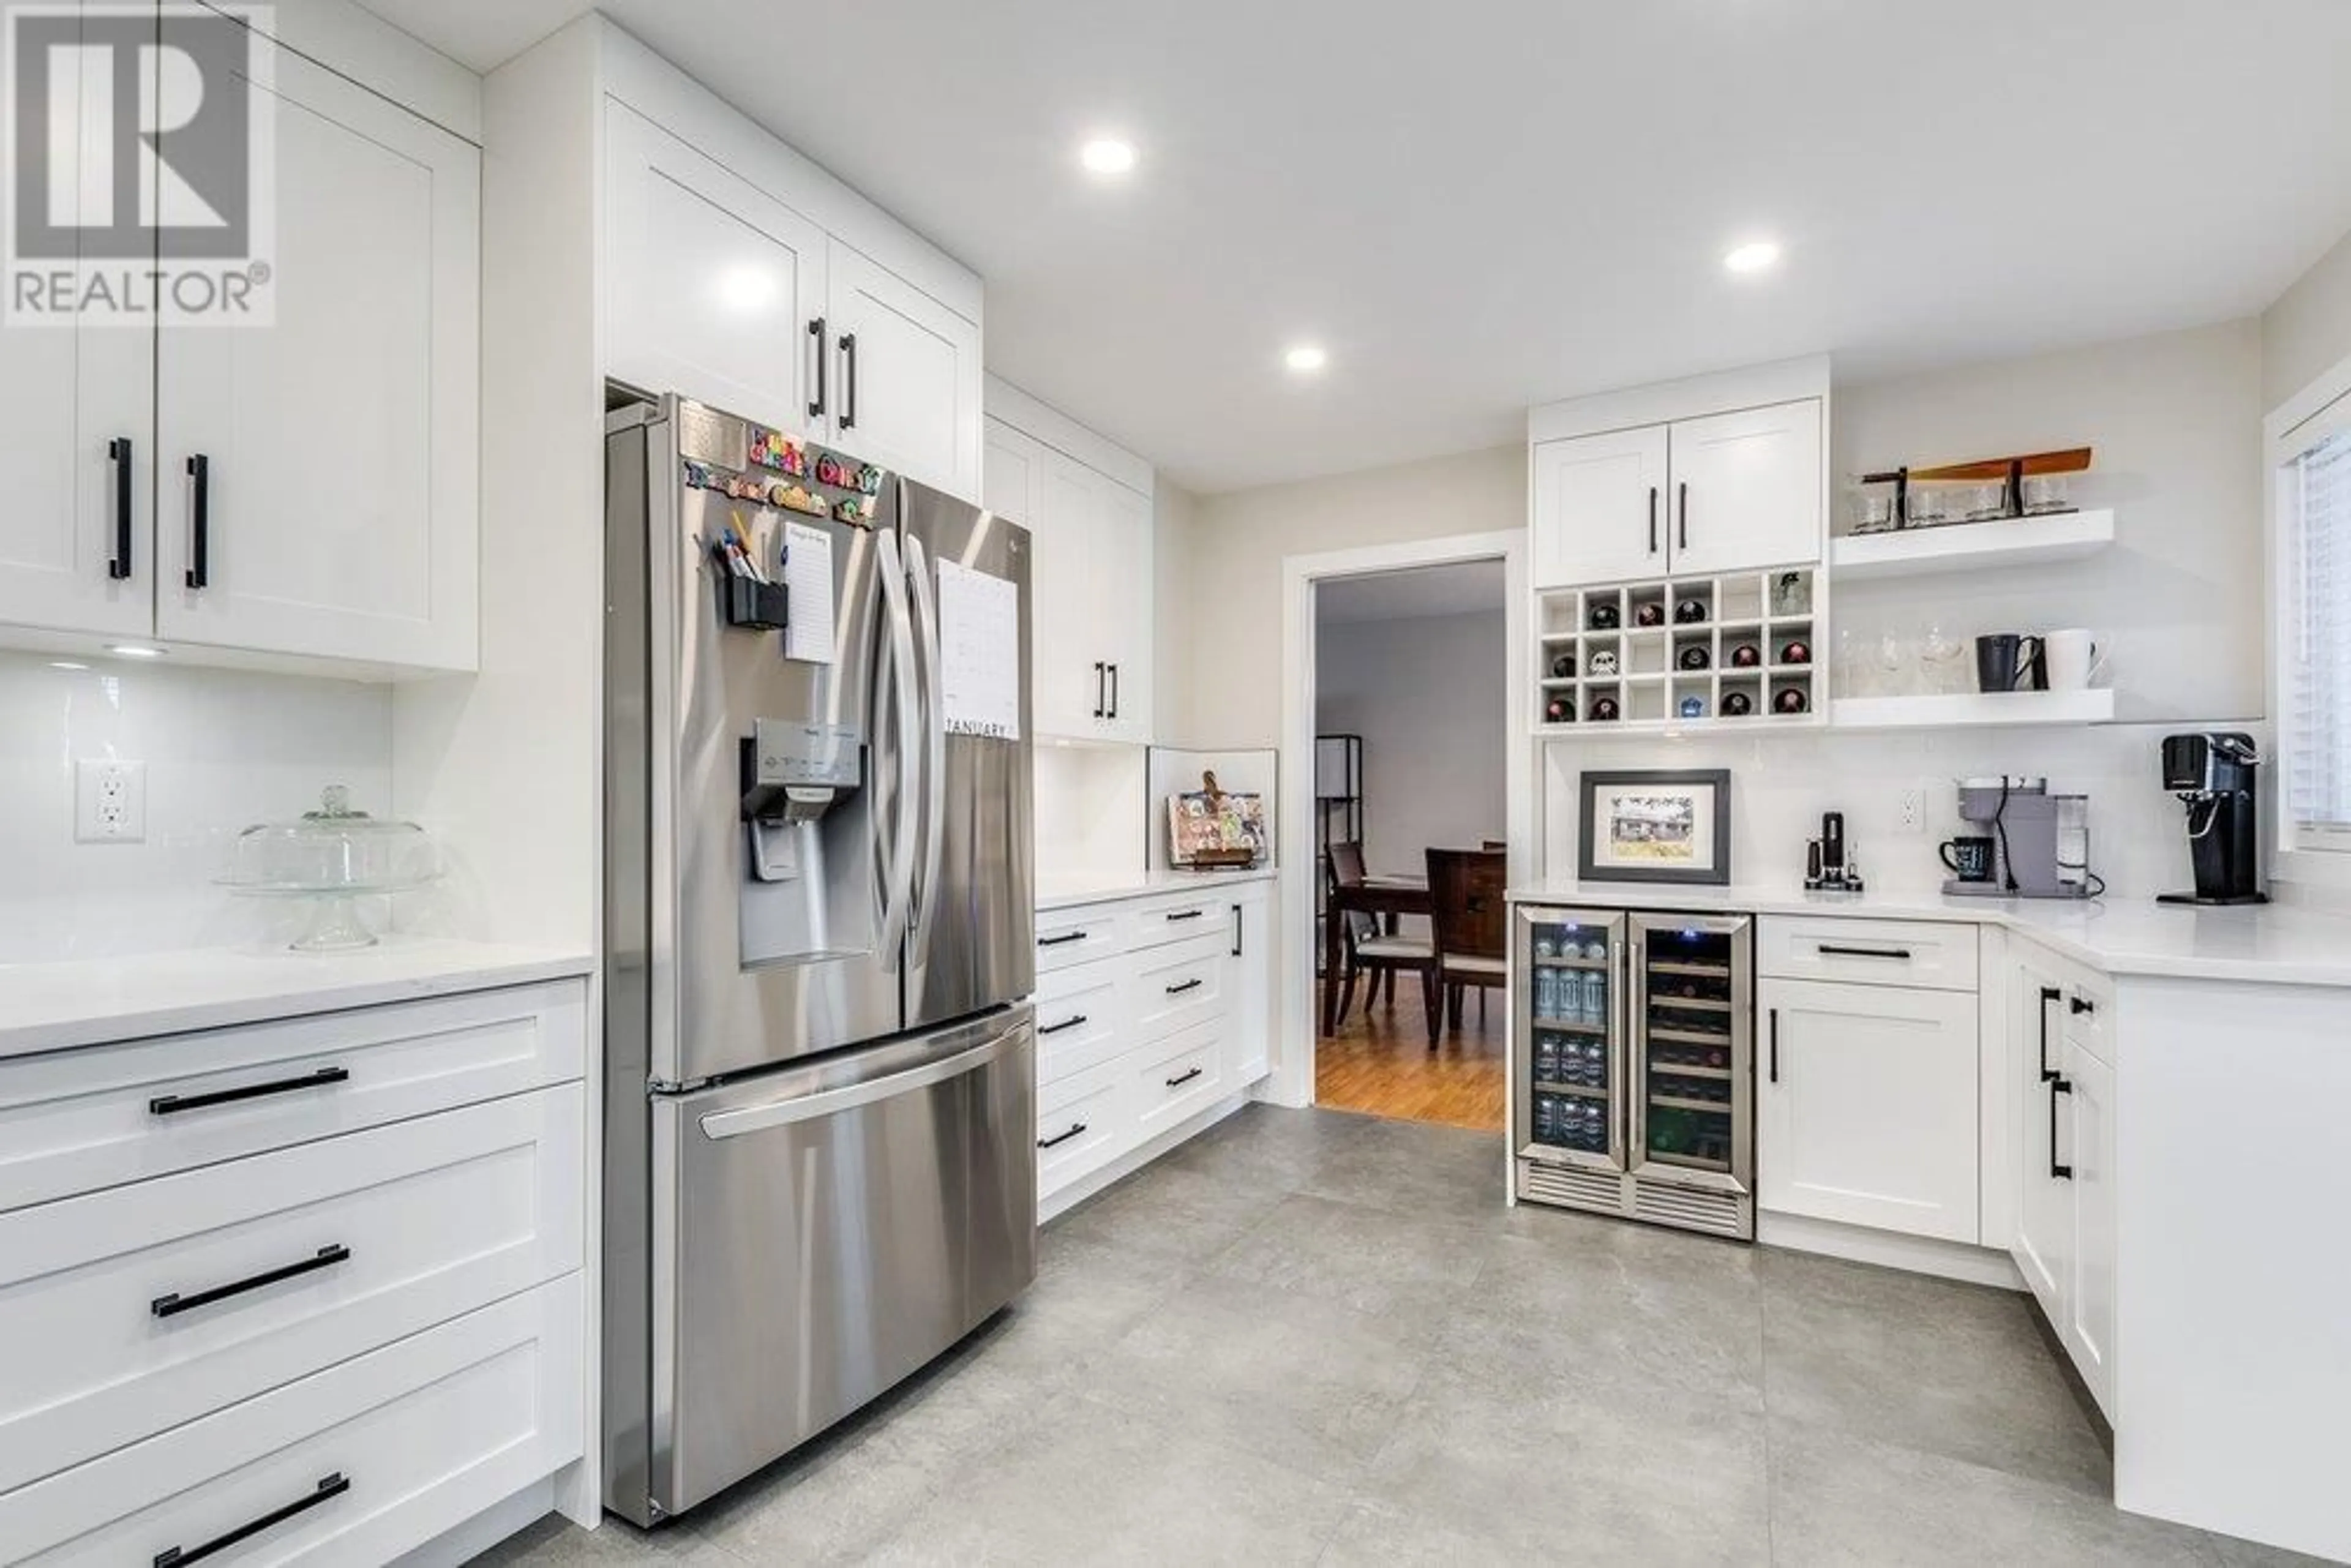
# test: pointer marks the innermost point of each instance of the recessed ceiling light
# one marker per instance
(134, 651)
(1107, 155)
(1306, 357)
(1754, 256)
(68, 664)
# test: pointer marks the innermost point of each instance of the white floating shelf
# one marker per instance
(1972, 708)
(1971, 547)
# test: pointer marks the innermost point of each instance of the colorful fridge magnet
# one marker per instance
(772, 449)
(799, 500)
(854, 509)
(697, 476)
(869, 482)
(831, 470)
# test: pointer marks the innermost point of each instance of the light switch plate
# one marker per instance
(109, 801)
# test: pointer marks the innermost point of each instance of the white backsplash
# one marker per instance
(1781, 784)
(222, 749)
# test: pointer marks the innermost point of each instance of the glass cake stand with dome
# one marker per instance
(332, 857)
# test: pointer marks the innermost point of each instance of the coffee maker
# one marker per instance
(2214, 774)
(2041, 841)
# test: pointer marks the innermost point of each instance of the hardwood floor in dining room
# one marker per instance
(1379, 1063)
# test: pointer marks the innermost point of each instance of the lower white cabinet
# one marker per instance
(2089, 1324)
(1866, 1106)
(2043, 1245)
(1167, 1014)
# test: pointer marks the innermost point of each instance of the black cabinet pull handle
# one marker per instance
(1063, 940)
(173, 1305)
(2056, 1172)
(329, 1488)
(1183, 1078)
(2048, 994)
(1775, 1045)
(1187, 915)
(2081, 1005)
(1684, 544)
(1830, 950)
(172, 1105)
(1237, 930)
(1191, 985)
(1113, 691)
(1075, 1128)
(1070, 1022)
(815, 331)
(1101, 689)
(849, 380)
(1653, 519)
(200, 521)
(118, 451)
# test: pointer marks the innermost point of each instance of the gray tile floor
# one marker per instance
(1313, 1337)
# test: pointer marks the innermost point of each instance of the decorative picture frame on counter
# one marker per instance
(1655, 825)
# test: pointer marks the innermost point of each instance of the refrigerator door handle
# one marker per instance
(932, 688)
(897, 848)
(734, 1123)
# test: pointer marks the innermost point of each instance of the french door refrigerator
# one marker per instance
(1632, 1077)
(819, 1129)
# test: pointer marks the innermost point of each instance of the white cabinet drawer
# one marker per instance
(1178, 919)
(1938, 954)
(1068, 937)
(426, 1433)
(2089, 1010)
(1083, 1122)
(156, 1303)
(1080, 1018)
(76, 1120)
(1180, 985)
(1178, 1077)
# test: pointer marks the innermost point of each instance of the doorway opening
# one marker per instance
(1402, 682)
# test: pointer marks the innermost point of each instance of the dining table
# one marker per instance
(1387, 899)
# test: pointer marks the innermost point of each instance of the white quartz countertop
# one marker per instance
(2270, 943)
(59, 1006)
(1059, 894)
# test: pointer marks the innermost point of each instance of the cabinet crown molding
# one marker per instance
(1725, 392)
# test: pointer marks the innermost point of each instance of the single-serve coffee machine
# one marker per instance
(2039, 843)
(2214, 776)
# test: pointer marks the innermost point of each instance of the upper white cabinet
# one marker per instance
(317, 479)
(1725, 492)
(1600, 508)
(306, 488)
(1088, 508)
(730, 280)
(1866, 1110)
(716, 290)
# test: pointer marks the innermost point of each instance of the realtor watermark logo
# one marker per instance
(141, 164)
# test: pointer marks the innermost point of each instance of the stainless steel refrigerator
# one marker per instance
(819, 1129)
(1632, 1073)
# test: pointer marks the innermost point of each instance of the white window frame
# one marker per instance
(2318, 412)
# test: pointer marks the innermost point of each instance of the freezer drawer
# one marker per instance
(820, 1233)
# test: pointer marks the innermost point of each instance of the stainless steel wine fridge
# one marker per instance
(1632, 1065)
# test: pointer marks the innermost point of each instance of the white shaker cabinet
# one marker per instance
(1091, 580)
(716, 291)
(2089, 1323)
(319, 480)
(909, 376)
(1747, 489)
(2043, 1244)
(1866, 1106)
(1599, 504)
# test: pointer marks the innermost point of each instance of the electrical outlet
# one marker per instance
(109, 801)
(1910, 812)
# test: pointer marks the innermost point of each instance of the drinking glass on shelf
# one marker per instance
(1942, 661)
(1856, 664)
(1897, 670)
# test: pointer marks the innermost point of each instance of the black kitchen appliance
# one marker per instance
(1829, 865)
(2215, 774)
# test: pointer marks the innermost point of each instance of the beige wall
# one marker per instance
(2308, 331)
(1174, 511)
(1229, 587)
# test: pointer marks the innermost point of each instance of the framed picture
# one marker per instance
(1656, 826)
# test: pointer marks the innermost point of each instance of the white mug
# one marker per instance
(2073, 660)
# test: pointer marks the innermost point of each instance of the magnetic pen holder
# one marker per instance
(751, 606)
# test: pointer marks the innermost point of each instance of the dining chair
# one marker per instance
(1370, 951)
(1469, 915)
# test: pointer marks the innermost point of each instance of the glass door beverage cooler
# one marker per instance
(1632, 1075)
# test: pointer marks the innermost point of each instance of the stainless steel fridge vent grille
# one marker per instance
(1544, 1183)
(1721, 1214)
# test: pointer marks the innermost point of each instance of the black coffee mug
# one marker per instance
(2009, 661)
(1968, 858)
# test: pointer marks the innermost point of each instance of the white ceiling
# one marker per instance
(1461, 588)
(1499, 201)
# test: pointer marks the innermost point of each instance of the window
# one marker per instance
(2314, 511)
